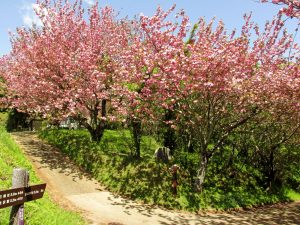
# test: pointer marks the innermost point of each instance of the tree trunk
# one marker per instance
(271, 170)
(97, 134)
(169, 139)
(169, 135)
(31, 125)
(201, 173)
(137, 135)
(97, 126)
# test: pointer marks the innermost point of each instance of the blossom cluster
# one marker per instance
(144, 66)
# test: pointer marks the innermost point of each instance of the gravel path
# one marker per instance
(76, 190)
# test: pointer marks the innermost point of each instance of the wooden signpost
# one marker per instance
(19, 194)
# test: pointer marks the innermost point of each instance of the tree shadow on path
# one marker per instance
(278, 214)
(49, 156)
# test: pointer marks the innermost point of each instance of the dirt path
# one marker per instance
(75, 190)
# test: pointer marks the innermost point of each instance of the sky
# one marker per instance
(18, 13)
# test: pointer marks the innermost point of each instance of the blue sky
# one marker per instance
(16, 13)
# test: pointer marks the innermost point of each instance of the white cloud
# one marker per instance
(29, 16)
(89, 2)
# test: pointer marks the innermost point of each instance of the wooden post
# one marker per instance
(20, 179)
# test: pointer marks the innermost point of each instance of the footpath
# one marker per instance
(76, 190)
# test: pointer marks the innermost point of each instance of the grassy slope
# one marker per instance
(145, 179)
(294, 196)
(42, 211)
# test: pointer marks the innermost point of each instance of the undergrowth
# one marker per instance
(148, 181)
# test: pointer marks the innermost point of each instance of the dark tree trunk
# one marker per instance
(97, 134)
(97, 126)
(271, 170)
(31, 125)
(169, 139)
(169, 136)
(137, 135)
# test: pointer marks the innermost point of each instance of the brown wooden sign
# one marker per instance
(12, 197)
(18, 196)
(34, 192)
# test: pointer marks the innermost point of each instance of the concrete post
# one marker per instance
(20, 179)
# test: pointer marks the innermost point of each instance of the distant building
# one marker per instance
(69, 123)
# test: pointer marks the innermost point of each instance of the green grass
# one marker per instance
(42, 211)
(148, 181)
(293, 195)
(111, 163)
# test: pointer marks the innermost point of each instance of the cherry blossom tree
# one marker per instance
(234, 81)
(213, 84)
(291, 9)
(152, 61)
(69, 67)
(2, 83)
